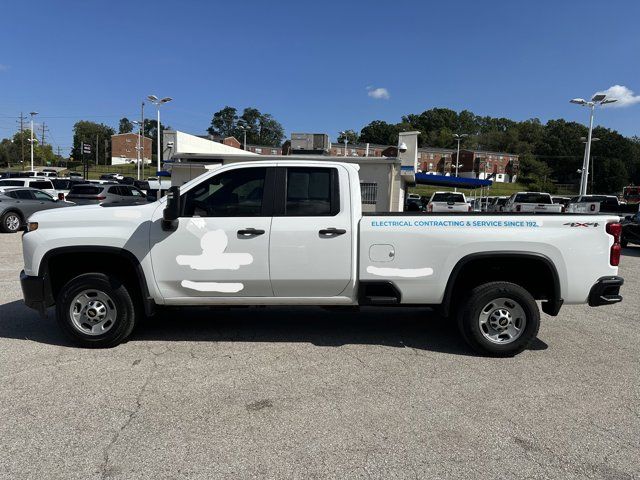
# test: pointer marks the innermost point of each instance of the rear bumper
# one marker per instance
(606, 291)
(36, 291)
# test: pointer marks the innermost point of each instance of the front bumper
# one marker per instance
(606, 291)
(36, 291)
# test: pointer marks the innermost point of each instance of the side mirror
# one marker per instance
(171, 212)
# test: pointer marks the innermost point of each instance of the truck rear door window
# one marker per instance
(312, 192)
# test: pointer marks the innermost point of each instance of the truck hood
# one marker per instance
(97, 215)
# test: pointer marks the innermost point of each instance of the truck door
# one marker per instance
(311, 249)
(221, 245)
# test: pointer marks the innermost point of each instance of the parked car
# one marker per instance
(17, 204)
(76, 175)
(40, 183)
(600, 204)
(47, 172)
(223, 239)
(88, 194)
(111, 176)
(64, 185)
(413, 203)
(631, 230)
(531, 202)
(448, 202)
(497, 204)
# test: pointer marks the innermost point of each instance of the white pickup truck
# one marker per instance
(293, 233)
(444, 202)
(532, 202)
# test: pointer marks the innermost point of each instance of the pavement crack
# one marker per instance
(105, 470)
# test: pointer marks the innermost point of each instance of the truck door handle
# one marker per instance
(332, 232)
(250, 232)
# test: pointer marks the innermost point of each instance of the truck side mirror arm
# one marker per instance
(171, 212)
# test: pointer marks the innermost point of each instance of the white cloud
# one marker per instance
(621, 93)
(379, 93)
(3, 67)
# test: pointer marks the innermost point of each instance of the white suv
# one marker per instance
(41, 183)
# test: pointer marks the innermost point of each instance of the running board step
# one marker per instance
(371, 300)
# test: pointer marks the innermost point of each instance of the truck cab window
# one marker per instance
(312, 192)
(236, 193)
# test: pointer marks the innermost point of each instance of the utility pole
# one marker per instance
(97, 148)
(22, 119)
(43, 127)
(142, 137)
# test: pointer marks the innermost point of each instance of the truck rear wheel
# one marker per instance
(95, 310)
(499, 319)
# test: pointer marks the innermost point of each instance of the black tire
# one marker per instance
(125, 312)
(469, 315)
(5, 222)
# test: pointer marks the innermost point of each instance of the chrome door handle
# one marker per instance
(332, 232)
(250, 232)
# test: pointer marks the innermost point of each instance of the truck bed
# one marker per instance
(418, 252)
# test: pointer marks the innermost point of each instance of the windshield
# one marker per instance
(448, 197)
(533, 198)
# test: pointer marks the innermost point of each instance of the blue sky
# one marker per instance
(315, 65)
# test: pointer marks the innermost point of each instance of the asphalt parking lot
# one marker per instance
(306, 393)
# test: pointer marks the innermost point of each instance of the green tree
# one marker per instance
(350, 135)
(125, 125)
(151, 130)
(261, 128)
(379, 132)
(224, 122)
(91, 132)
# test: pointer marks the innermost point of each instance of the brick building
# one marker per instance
(358, 150)
(123, 148)
(497, 166)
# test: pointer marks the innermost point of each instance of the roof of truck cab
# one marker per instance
(207, 157)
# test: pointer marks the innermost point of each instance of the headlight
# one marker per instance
(31, 226)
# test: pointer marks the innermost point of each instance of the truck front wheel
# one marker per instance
(499, 319)
(95, 310)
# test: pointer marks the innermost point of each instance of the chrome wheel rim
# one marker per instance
(12, 222)
(502, 321)
(93, 312)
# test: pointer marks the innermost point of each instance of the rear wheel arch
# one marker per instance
(533, 271)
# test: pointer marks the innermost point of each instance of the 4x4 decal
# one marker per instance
(581, 224)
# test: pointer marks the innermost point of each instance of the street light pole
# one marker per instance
(33, 114)
(244, 128)
(138, 147)
(345, 140)
(157, 103)
(598, 99)
(458, 138)
(585, 141)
